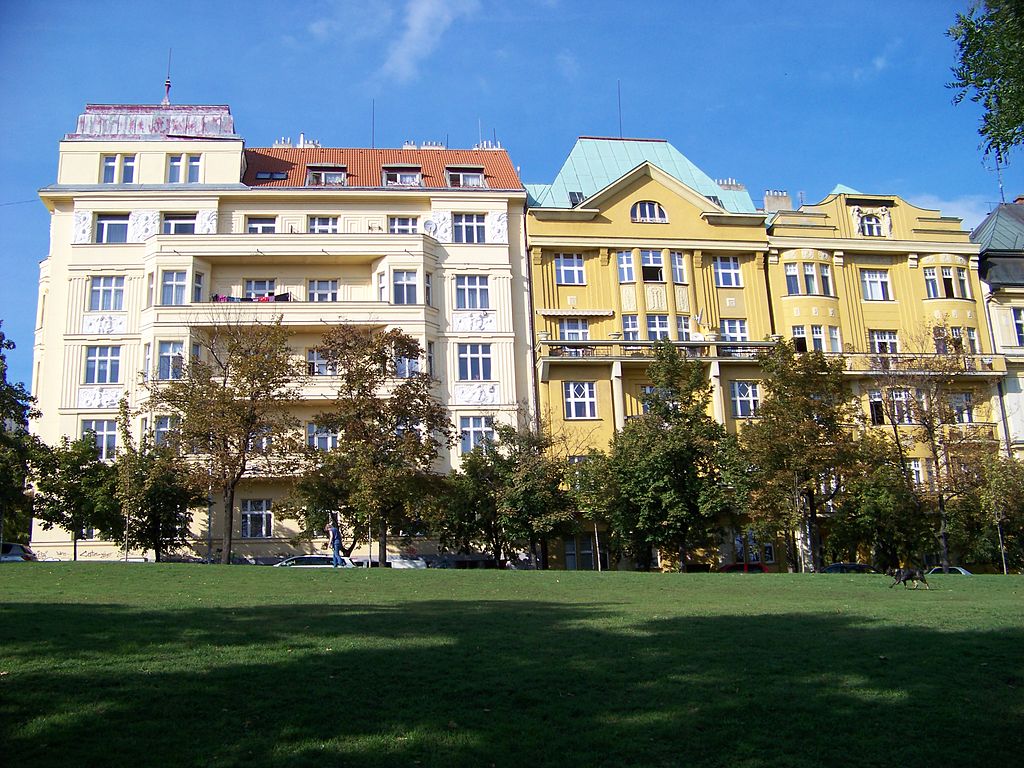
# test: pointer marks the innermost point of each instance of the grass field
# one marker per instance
(139, 665)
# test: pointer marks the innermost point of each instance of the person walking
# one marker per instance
(335, 541)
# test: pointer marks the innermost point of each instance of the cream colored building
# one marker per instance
(162, 220)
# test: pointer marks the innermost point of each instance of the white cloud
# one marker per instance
(971, 208)
(351, 20)
(878, 63)
(424, 24)
(568, 65)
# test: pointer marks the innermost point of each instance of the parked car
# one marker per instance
(314, 561)
(16, 553)
(954, 570)
(407, 562)
(849, 568)
(743, 568)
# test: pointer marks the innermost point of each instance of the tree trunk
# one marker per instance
(1002, 545)
(544, 554)
(382, 543)
(74, 545)
(943, 534)
(813, 533)
(228, 524)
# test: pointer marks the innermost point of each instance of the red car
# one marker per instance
(743, 568)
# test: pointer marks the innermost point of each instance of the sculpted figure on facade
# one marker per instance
(206, 222)
(98, 397)
(82, 227)
(104, 325)
(497, 227)
(476, 394)
(474, 321)
(439, 226)
(142, 225)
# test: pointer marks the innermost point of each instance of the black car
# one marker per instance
(849, 568)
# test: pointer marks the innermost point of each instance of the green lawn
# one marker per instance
(139, 665)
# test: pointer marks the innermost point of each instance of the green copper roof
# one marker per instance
(594, 163)
(842, 189)
(1002, 229)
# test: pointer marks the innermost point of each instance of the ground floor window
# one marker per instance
(579, 554)
(257, 519)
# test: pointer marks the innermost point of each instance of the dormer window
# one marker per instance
(271, 175)
(405, 176)
(648, 212)
(575, 198)
(870, 226)
(466, 177)
(326, 176)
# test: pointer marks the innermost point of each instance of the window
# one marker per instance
(876, 408)
(102, 365)
(402, 177)
(105, 432)
(320, 438)
(257, 289)
(875, 284)
(118, 168)
(147, 362)
(931, 283)
(317, 365)
(112, 228)
(799, 338)
(630, 328)
(648, 212)
(569, 269)
(382, 286)
(406, 367)
(170, 360)
(179, 224)
(1018, 324)
(961, 281)
(818, 338)
(430, 358)
(323, 225)
(474, 362)
(734, 330)
(165, 426)
(475, 430)
(826, 279)
(580, 399)
(870, 226)
(257, 519)
(268, 175)
(947, 282)
(322, 290)
(428, 289)
(810, 279)
(647, 392)
(106, 293)
(901, 406)
(963, 408)
(172, 288)
(678, 268)
(466, 177)
(835, 344)
(792, 280)
(972, 341)
(727, 271)
(326, 176)
(744, 398)
(683, 327)
(472, 292)
(651, 268)
(404, 285)
(575, 198)
(181, 168)
(574, 329)
(626, 267)
(916, 471)
(883, 342)
(468, 228)
(261, 225)
(197, 287)
(403, 225)
(657, 327)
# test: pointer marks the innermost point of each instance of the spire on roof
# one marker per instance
(167, 82)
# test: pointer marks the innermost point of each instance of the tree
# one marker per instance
(390, 429)
(156, 492)
(234, 403)
(666, 485)
(16, 449)
(803, 445)
(73, 488)
(990, 70)
(1002, 501)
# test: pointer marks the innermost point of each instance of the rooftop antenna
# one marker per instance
(999, 176)
(373, 123)
(618, 87)
(167, 82)
(479, 132)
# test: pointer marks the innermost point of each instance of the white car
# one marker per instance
(953, 570)
(407, 562)
(313, 561)
(16, 553)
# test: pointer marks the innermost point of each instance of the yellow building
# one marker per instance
(162, 220)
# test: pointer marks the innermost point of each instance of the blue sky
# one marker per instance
(796, 95)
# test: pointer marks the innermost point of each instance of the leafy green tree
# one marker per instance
(234, 402)
(667, 487)
(391, 429)
(990, 70)
(16, 449)
(73, 488)
(1002, 500)
(804, 444)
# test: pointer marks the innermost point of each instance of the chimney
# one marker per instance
(1019, 200)
(730, 184)
(777, 200)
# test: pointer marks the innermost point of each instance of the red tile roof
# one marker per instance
(365, 166)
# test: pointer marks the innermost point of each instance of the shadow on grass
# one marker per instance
(499, 683)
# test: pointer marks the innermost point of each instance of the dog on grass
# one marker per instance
(905, 575)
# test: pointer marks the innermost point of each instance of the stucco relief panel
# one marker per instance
(81, 227)
(477, 393)
(657, 298)
(142, 225)
(439, 226)
(477, 320)
(206, 222)
(104, 324)
(497, 228)
(627, 296)
(682, 299)
(99, 397)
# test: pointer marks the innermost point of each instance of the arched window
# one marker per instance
(870, 226)
(648, 212)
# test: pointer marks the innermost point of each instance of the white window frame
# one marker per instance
(875, 285)
(818, 338)
(320, 438)
(652, 266)
(727, 272)
(321, 290)
(569, 269)
(678, 267)
(403, 176)
(317, 365)
(112, 228)
(261, 225)
(105, 432)
(745, 398)
(170, 360)
(256, 519)
(164, 426)
(683, 327)
(825, 272)
(648, 212)
(580, 399)
(883, 341)
(474, 361)
(657, 327)
(172, 287)
(574, 329)
(625, 261)
(474, 431)
(259, 288)
(835, 340)
(121, 169)
(469, 228)
(322, 225)
(326, 176)
(103, 364)
(404, 283)
(630, 327)
(466, 177)
(472, 292)
(733, 329)
(792, 279)
(810, 279)
(403, 225)
(198, 280)
(931, 283)
(963, 283)
(106, 293)
(179, 224)
(870, 225)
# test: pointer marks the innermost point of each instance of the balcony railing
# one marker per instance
(916, 363)
(626, 350)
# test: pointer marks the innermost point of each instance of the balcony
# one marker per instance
(910, 364)
(585, 351)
